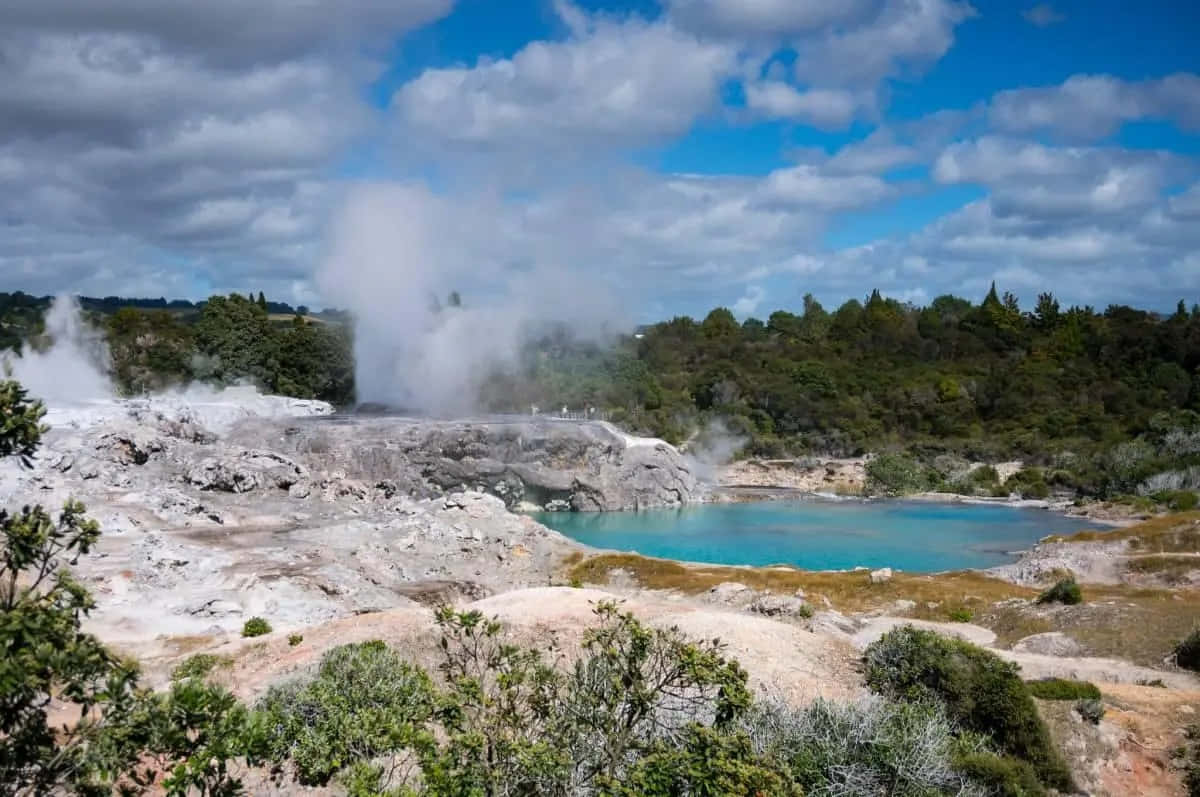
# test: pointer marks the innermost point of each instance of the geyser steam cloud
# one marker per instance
(397, 251)
(73, 369)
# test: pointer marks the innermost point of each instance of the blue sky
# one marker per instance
(657, 157)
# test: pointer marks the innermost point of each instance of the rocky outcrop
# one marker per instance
(533, 463)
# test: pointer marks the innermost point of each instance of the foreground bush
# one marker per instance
(364, 702)
(979, 691)
(1065, 591)
(1187, 652)
(1063, 689)
(871, 747)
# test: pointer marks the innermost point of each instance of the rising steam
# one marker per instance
(396, 252)
(72, 369)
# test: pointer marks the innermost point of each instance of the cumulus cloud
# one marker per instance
(1051, 182)
(823, 108)
(623, 82)
(154, 148)
(906, 35)
(771, 19)
(1094, 106)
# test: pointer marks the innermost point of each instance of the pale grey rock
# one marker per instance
(730, 592)
(778, 605)
(882, 575)
(1053, 643)
(533, 463)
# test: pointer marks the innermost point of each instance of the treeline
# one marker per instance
(155, 344)
(111, 304)
(232, 339)
(986, 379)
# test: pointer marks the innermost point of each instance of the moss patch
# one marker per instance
(847, 591)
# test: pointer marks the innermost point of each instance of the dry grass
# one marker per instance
(1170, 568)
(1139, 624)
(847, 591)
(1136, 624)
(1167, 533)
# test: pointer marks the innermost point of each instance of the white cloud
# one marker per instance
(1043, 15)
(1094, 106)
(135, 134)
(773, 19)
(750, 301)
(824, 108)
(615, 83)
(906, 35)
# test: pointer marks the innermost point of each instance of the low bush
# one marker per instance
(1001, 776)
(874, 746)
(199, 666)
(1177, 500)
(363, 703)
(256, 626)
(295, 639)
(896, 474)
(1063, 689)
(1064, 591)
(961, 614)
(979, 691)
(1187, 652)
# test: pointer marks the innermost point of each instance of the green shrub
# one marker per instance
(295, 639)
(1177, 500)
(961, 614)
(1187, 652)
(896, 474)
(1001, 776)
(1091, 710)
(984, 475)
(1063, 689)
(805, 611)
(980, 691)
(199, 666)
(364, 702)
(256, 626)
(1064, 591)
(874, 746)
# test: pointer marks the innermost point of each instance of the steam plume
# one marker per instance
(397, 251)
(73, 369)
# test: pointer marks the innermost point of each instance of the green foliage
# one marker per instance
(199, 666)
(1064, 591)
(1063, 689)
(295, 639)
(363, 703)
(981, 692)
(705, 762)
(1178, 500)
(20, 422)
(961, 614)
(1000, 775)
(255, 626)
(871, 747)
(895, 474)
(1187, 652)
